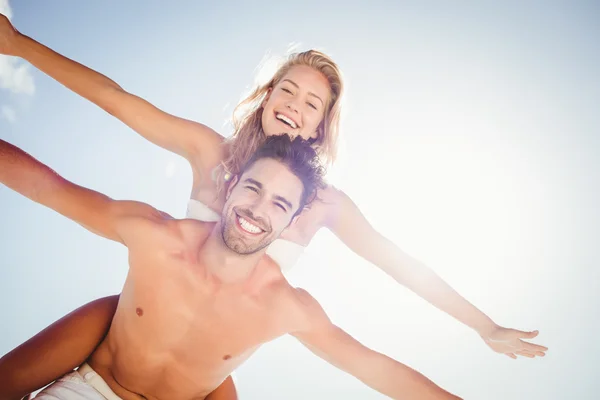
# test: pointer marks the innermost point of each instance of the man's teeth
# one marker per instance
(248, 226)
(286, 120)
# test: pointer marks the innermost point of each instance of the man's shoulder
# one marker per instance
(192, 228)
(303, 309)
(296, 298)
(308, 305)
(158, 221)
(304, 299)
(275, 291)
(194, 225)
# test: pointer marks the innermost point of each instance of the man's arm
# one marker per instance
(376, 370)
(94, 211)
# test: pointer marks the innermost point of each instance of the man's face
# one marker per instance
(260, 205)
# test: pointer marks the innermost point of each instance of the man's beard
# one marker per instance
(242, 245)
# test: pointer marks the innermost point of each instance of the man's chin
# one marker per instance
(238, 246)
(244, 244)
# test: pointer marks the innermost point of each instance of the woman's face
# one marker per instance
(296, 105)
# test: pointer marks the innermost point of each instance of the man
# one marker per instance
(200, 297)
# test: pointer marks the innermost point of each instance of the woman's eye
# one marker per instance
(252, 188)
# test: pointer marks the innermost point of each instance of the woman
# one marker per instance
(302, 98)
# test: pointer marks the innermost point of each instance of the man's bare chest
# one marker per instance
(175, 313)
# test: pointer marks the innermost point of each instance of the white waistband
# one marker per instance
(92, 378)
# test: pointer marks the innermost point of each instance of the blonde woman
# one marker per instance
(301, 99)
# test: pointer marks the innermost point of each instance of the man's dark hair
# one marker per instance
(301, 159)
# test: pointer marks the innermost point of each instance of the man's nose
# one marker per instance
(258, 207)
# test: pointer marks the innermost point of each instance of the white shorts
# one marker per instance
(83, 384)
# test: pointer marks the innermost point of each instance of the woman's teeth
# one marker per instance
(285, 119)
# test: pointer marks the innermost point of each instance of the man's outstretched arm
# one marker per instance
(94, 211)
(376, 370)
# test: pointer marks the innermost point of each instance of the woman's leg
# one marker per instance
(56, 350)
(225, 391)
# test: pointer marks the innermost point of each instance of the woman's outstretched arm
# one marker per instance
(348, 224)
(56, 350)
(194, 141)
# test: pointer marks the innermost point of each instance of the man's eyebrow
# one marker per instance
(275, 197)
(254, 182)
(309, 93)
(283, 200)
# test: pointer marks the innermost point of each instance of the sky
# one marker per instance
(470, 139)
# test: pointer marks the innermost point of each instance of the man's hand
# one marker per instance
(8, 37)
(510, 342)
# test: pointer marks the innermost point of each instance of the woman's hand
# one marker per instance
(8, 37)
(510, 342)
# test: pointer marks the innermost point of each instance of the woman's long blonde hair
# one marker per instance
(247, 115)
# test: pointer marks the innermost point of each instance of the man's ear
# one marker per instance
(234, 181)
(295, 219)
(267, 96)
(296, 216)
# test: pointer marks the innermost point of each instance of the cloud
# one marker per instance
(8, 113)
(170, 169)
(15, 76)
(14, 73)
(5, 8)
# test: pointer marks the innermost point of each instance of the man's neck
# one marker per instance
(223, 263)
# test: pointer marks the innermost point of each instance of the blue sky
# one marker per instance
(471, 139)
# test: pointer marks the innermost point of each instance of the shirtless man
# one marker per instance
(200, 297)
